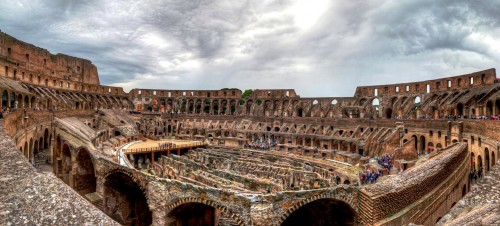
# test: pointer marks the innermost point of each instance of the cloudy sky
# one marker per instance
(318, 47)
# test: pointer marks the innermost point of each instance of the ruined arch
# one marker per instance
(197, 211)
(85, 179)
(124, 200)
(487, 158)
(489, 108)
(321, 212)
(65, 165)
(193, 214)
(388, 113)
(479, 162)
(422, 144)
(460, 109)
(5, 99)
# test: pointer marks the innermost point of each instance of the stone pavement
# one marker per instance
(481, 206)
(31, 198)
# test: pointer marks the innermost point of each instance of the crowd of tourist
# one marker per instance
(262, 145)
(370, 176)
(166, 145)
(476, 174)
(461, 117)
(385, 161)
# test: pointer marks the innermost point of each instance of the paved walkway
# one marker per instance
(481, 206)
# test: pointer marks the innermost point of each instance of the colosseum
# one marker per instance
(75, 152)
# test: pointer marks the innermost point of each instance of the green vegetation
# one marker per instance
(248, 93)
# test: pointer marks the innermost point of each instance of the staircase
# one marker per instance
(96, 200)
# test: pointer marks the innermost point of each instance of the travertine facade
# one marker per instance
(268, 157)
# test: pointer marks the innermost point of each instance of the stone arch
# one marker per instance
(29, 150)
(422, 144)
(5, 99)
(125, 199)
(487, 158)
(489, 108)
(65, 164)
(479, 161)
(388, 113)
(26, 102)
(85, 179)
(460, 109)
(12, 100)
(33, 102)
(196, 203)
(320, 210)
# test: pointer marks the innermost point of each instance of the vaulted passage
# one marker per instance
(124, 201)
(322, 212)
(193, 214)
(85, 180)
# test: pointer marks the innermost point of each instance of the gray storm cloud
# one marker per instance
(318, 47)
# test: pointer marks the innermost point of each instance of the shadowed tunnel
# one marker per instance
(322, 212)
(125, 202)
(193, 214)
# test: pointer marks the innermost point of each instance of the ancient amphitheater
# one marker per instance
(75, 152)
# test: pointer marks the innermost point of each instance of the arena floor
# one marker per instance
(154, 143)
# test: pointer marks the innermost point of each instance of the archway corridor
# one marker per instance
(322, 212)
(193, 214)
(124, 201)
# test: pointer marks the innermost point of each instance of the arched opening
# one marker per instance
(430, 146)
(35, 149)
(479, 162)
(124, 200)
(85, 180)
(5, 99)
(460, 109)
(489, 108)
(46, 139)
(65, 164)
(193, 213)
(422, 144)
(249, 106)
(26, 102)
(415, 141)
(299, 112)
(487, 158)
(417, 100)
(117, 133)
(322, 212)
(347, 182)
(12, 100)
(388, 113)
(33, 102)
(472, 161)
